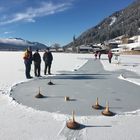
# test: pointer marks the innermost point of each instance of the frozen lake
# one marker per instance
(83, 86)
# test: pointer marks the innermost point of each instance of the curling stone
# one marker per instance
(107, 112)
(50, 83)
(97, 106)
(72, 124)
(39, 95)
(67, 98)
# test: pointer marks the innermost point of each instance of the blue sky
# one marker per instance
(53, 21)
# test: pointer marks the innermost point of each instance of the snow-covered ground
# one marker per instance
(18, 122)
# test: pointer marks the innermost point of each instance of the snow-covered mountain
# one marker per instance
(19, 44)
(123, 22)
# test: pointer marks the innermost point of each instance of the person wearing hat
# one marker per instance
(28, 61)
(47, 58)
(37, 63)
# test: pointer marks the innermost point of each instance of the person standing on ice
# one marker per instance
(28, 61)
(37, 63)
(110, 55)
(99, 54)
(47, 58)
(96, 53)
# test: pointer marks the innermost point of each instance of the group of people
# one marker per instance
(36, 58)
(97, 53)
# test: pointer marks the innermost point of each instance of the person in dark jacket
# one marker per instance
(28, 61)
(37, 63)
(110, 55)
(47, 58)
(99, 54)
(96, 53)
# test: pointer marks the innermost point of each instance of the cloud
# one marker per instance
(13, 41)
(7, 32)
(30, 14)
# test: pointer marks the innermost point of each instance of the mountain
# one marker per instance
(19, 44)
(124, 22)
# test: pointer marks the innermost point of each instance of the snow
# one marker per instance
(113, 20)
(127, 62)
(20, 122)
